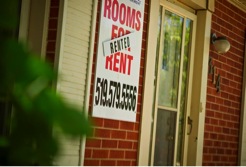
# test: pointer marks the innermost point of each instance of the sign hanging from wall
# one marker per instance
(118, 59)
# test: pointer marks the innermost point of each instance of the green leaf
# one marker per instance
(3, 142)
(73, 122)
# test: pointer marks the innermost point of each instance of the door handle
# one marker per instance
(190, 122)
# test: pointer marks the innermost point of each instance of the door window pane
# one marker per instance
(182, 120)
(170, 63)
(165, 138)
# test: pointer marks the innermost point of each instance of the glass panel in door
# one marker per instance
(182, 116)
(170, 63)
(164, 141)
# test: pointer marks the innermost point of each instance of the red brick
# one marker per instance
(109, 143)
(138, 116)
(215, 106)
(135, 145)
(52, 35)
(217, 129)
(207, 158)
(207, 142)
(221, 137)
(219, 100)
(213, 136)
(53, 23)
(118, 134)
(206, 135)
(131, 155)
(134, 163)
(224, 158)
(103, 133)
(216, 143)
(214, 121)
(123, 163)
(98, 122)
(224, 144)
(126, 125)
(209, 128)
(220, 151)
(216, 158)
(209, 113)
(205, 150)
(125, 144)
(100, 153)
(132, 135)
(210, 98)
(117, 154)
(90, 142)
(88, 153)
(136, 127)
(54, 3)
(54, 12)
(50, 46)
(226, 117)
(108, 162)
(91, 162)
(224, 94)
(227, 102)
(111, 123)
(212, 150)
(223, 108)
(218, 115)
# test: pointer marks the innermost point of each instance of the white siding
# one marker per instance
(73, 56)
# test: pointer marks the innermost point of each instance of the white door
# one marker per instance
(172, 123)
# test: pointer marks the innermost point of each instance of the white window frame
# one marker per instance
(28, 35)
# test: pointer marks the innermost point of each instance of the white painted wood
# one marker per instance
(89, 71)
(33, 27)
(45, 28)
(194, 148)
(148, 93)
(37, 27)
(197, 113)
(72, 63)
(24, 20)
(242, 139)
(185, 14)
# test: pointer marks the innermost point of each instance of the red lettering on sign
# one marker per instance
(118, 32)
(119, 62)
(107, 6)
(124, 14)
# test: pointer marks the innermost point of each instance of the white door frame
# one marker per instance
(185, 14)
(199, 86)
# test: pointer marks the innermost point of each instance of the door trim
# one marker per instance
(185, 14)
(202, 45)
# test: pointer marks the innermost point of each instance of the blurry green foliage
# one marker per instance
(26, 83)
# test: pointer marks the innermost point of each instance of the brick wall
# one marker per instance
(221, 138)
(115, 142)
(52, 31)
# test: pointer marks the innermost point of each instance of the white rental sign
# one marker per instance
(118, 60)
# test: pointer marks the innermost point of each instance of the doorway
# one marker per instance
(172, 124)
